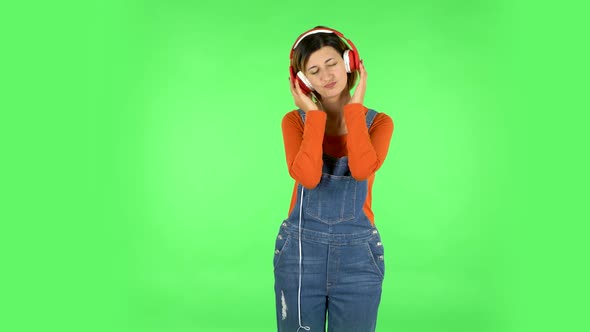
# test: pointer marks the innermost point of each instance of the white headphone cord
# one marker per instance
(307, 328)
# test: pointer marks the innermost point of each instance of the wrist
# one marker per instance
(311, 107)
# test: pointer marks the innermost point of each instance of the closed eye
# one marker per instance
(330, 65)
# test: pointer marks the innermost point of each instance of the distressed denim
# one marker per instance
(339, 257)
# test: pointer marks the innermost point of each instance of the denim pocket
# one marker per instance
(280, 245)
(333, 200)
(376, 253)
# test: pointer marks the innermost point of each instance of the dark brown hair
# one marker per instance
(314, 42)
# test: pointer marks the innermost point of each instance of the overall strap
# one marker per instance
(302, 114)
(369, 117)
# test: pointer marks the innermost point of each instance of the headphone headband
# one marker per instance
(311, 32)
(319, 30)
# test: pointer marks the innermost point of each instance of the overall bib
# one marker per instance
(328, 256)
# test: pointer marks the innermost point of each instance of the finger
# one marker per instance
(298, 88)
(361, 76)
(293, 87)
(363, 71)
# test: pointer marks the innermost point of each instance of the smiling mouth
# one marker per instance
(329, 86)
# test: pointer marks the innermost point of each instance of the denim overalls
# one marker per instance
(328, 256)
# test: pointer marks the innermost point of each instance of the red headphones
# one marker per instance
(350, 56)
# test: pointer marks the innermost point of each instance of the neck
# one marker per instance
(335, 105)
(334, 108)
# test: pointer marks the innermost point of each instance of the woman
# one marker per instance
(328, 255)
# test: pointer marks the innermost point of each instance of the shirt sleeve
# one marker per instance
(367, 149)
(303, 146)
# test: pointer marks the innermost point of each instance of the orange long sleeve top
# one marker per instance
(366, 148)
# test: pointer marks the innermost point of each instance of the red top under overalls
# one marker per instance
(305, 144)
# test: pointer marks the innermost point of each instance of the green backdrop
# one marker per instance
(145, 180)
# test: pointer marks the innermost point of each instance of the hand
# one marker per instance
(302, 100)
(359, 93)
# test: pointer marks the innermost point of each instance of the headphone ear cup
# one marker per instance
(306, 87)
(292, 73)
(351, 61)
(346, 58)
(297, 78)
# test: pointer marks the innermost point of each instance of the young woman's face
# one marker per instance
(326, 72)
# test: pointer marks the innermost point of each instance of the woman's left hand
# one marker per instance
(359, 93)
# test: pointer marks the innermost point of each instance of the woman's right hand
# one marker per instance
(302, 100)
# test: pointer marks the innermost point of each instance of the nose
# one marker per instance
(326, 77)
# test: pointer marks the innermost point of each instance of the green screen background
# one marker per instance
(145, 179)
